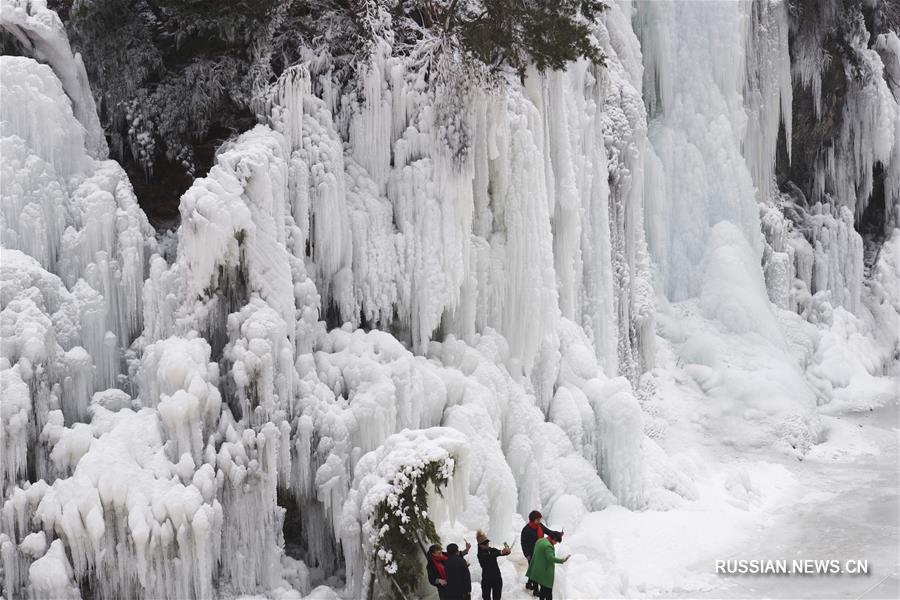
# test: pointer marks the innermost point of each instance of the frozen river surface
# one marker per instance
(842, 504)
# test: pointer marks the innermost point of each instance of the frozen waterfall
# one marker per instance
(503, 287)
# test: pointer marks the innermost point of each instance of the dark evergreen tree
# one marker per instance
(517, 33)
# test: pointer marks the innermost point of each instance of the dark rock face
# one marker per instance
(811, 133)
(831, 34)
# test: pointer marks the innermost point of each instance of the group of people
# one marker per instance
(449, 572)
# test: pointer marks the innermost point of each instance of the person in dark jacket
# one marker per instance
(459, 580)
(491, 580)
(531, 533)
(436, 569)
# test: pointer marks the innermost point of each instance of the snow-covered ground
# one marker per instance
(845, 507)
(839, 502)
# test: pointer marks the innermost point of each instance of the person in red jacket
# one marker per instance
(531, 533)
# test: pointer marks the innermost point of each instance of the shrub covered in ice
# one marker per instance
(388, 516)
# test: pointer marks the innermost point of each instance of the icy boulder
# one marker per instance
(730, 268)
(620, 437)
(237, 239)
(855, 360)
(178, 479)
(180, 382)
(51, 576)
(76, 216)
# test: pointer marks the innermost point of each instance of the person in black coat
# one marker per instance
(459, 580)
(531, 533)
(491, 579)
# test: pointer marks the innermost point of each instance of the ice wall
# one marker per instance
(63, 212)
(716, 105)
(519, 228)
(768, 92)
(718, 87)
(693, 87)
(888, 47)
(64, 337)
(813, 255)
(332, 397)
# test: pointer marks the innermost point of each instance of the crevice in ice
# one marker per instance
(873, 221)
(292, 530)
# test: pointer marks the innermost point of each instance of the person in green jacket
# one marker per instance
(543, 564)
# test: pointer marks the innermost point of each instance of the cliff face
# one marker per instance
(535, 293)
(844, 59)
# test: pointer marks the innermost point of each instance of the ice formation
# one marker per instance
(353, 296)
(43, 36)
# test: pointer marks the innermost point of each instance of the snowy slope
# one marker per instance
(557, 292)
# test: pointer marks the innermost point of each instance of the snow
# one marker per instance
(580, 293)
(653, 550)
